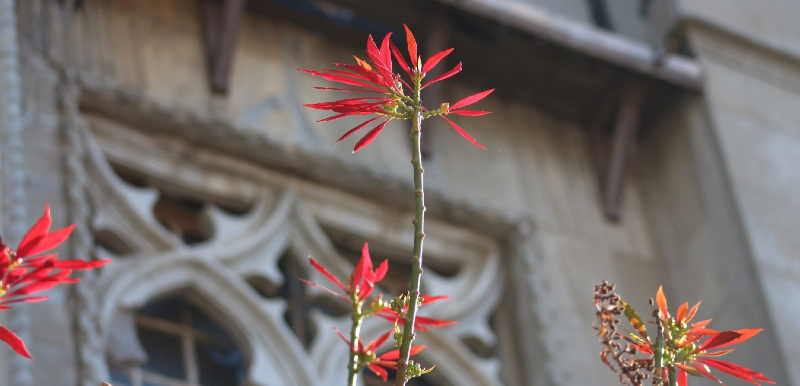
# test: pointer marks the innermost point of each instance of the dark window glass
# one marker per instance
(164, 353)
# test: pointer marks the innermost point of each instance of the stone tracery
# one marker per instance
(285, 214)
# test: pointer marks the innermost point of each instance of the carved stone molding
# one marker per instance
(286, 214)
(12, 179)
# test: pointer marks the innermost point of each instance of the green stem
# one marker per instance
(673, 377)
(355, 333)
(419, 234)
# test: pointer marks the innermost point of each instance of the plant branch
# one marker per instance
(355, 332)
(419, 235)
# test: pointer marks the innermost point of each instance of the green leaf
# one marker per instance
(689, 369)
(635, 319)
(634, 338)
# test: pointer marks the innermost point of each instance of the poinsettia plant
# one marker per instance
(678, 349)
(31, 269)
(356, 293)
(390, 95)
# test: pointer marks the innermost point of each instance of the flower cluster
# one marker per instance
(388, 98)
(23, 273)
(683, 349)
(360, 287)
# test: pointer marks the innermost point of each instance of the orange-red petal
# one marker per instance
(412, 47)
(661, 300)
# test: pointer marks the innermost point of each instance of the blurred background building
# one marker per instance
(642, 142)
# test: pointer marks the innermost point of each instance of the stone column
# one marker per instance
(12, 174)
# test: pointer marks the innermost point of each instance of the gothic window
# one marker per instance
(238, 237)
(178, 345)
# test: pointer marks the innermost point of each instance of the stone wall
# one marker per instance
(142, 62)
(753, 94)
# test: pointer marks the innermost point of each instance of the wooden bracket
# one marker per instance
(612, 154)
(221, 21)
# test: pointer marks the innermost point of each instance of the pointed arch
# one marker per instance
(274, 357)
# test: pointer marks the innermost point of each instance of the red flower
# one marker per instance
(362, 279)
(420, 322)
(367, 357)
(683, 352)
(24, 275)
(378, 78)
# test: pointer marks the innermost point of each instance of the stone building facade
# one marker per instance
(645, 143)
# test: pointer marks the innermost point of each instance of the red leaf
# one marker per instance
(38, 261)
(344, 339)
(387, 78)
(327, 274)
(346, 89)
(356, 75)
(737, 371)
(37, 230)
(701, 324)
(367, 139)
(342, 79)
(463, 133)
(446, 75)
(400, 60)
(44, 243)
(662, 303)
(727, 338)
(395, 354)
(691, 312)
(38, 286)
(357, 128)
(372, 49)
(702, 369)
(380, 272)
(362, 269)
(682, 312)
(79, 264)
(415, 350)
(386, 55)
(373, 345)
(469, 113)
(14, 341)
(682, 381)
(412, 47)
(379, 371)
(337, 116)
(471, 99)
(717, 353)
(32, 299)
(328, 290)
(427, 299)
(433, 322)
(344, 102)
(365, 70)
(435, 59)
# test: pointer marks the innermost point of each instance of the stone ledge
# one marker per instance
(346, 173)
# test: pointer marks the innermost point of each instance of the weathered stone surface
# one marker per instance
(528, 206)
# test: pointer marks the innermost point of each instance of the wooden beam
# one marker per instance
(221, 20)
(626, 128)
(598, 138)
